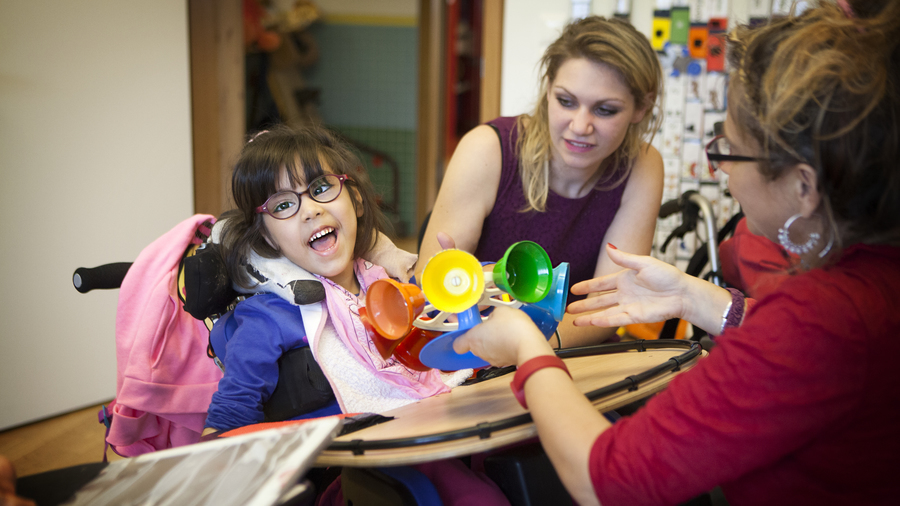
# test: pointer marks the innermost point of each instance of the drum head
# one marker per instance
(485, 415)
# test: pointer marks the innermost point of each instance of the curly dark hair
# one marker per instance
(823, 89)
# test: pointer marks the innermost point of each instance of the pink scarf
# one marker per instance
(343, 308)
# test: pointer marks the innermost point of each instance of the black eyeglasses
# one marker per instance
(323, 189)
(719, 150)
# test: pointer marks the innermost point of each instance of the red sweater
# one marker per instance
(799, 405)
(752, 263)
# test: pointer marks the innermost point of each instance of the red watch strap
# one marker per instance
(524, 371)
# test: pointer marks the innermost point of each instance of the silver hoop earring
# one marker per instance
(784, 237)
(827, 247)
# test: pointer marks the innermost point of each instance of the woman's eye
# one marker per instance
(565, 101)
(605, 111)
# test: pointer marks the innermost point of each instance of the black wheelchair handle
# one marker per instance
(102, 277)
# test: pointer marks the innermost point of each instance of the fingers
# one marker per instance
(627, 260)
(461, 344)
(473, 341)
(623, 259)
(603, 300)
(615, 316)
(600, 284)
(445, 241)
(604, 319)
(499, 339)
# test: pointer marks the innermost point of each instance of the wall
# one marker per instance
(529, 26)
(693, 101)
(95, 163)
(367, 74)
(377, 8)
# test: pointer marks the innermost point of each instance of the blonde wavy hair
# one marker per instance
(608, 41)
(823, 89)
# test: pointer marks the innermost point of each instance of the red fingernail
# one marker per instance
(611, 245)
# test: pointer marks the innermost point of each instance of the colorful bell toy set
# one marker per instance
(417, 326)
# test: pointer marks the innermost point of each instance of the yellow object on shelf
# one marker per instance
(652, 330)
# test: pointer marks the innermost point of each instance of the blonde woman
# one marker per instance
(574, 175)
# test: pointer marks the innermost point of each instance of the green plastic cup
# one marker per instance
(524, 272)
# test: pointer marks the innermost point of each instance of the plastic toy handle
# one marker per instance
(102, 277)
(469, 318)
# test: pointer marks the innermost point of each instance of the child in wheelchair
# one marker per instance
(305, 217)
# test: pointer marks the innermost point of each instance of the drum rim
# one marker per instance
(484, 430)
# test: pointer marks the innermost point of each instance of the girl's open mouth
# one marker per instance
(323, 240)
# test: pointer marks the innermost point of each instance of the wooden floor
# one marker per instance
(70, 439)
(55, 443)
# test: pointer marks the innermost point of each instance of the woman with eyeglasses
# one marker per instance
(798, 403)
(572, 176)
(305, 217)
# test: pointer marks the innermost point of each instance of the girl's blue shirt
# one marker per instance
(260, 330)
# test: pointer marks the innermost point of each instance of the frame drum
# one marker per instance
(485, 415)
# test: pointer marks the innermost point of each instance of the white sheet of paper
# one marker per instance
(252, 469)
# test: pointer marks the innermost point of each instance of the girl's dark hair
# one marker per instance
(305, 154)
(823, 89)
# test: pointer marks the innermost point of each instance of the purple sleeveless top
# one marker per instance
(570, 230)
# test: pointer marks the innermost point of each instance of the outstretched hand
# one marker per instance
(506, 338)
(398, 263)
(647, 291)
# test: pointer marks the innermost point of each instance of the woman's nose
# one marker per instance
(581, 122)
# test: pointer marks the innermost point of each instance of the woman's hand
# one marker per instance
(445, 241)
(398, 263)
(648, 291)
(508, 337)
